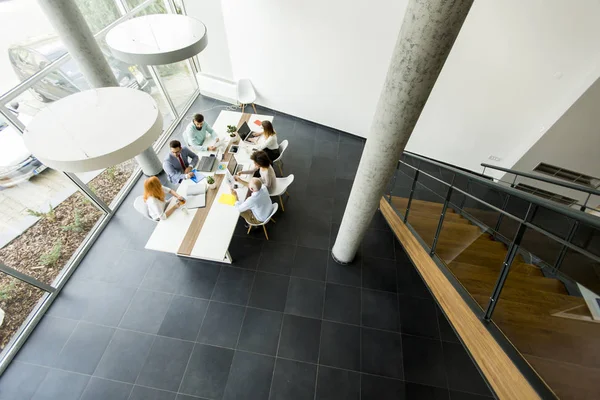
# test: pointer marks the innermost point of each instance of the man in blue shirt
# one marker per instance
(195, 134)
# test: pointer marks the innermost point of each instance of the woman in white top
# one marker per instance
(262, 163)
(154, 196)
(267, 141)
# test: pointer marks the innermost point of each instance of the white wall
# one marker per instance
(572, 142)
(515, 68)
(324, 61)
(214, 60)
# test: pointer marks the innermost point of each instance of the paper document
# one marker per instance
(221, 168)
(227, 198)
(198, 176)
(194, 190)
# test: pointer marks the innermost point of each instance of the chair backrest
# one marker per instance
(245, 91)
(281, 185)
(275, 208)
(282, 146)
(140, 205)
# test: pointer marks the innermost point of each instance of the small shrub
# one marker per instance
(111, 173)
(6, 291)
(50, 215)
(51, 257)
(231, 128)
(210, 180)
(77, 225)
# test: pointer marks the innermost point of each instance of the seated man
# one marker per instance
(257, 207)
(177, 165)
(195, 133)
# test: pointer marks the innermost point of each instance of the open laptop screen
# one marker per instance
(244, 131)
(232, 165)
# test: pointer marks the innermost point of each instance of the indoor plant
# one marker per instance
(231, 130)
(211, 182)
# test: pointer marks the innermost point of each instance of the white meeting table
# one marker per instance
(205, 233)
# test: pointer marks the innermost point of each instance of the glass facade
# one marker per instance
(47, 217)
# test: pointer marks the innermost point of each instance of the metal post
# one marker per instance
(393, 182)
(563, 251)
(412, 191)
(512, 185)
(464, 200)
(161, 88)
(510, 256)
(583, 207)
(12, 118)
(441, 221)
(483, 172)
(25, 278)
(504, 205)
(87, 192)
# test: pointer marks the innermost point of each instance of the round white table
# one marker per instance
(97, 129)
(157, 39)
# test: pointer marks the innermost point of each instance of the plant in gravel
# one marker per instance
(6, 291)
(50, 215)
(76, 225)
(51, 257)
(111, 173)
(231, 128)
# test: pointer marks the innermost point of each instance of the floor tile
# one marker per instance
(184, 318)
(20, 381)
(164, 274)
(380, 388)
(461, 371)
(145, 393)
(378, 243)
(337, 384)
(416, 391)
(277, 258)
(310, 263)
(409, 282)
(85, 347)
(314, 232)
(269, 291)
(340, 346)
(146, 311)
(380, 310)
(293, 380)
(245, 252)
(233, 286)
(222, 325)
(345, 274)
(260, 331)
(198, 279)
(379, 222)
(61, 385)
(305, 298)
(124, 356)
(165, 364)
(381, 353)
(379, 274)
(250, 377)
(418, 316)
(300, 338)
(102, 389)
(447, 333)
(456, 395)
(342, 304)
(46, 341)
(423, 361)
(131, 267)
(207, 372)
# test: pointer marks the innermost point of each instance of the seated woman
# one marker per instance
(267, 141)
(154, 196)
(262, 163)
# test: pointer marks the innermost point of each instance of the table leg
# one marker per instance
(149, 162)
(228, 258)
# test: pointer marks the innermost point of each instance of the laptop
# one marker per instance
(245, 132)
(233, 167)
(206, 163)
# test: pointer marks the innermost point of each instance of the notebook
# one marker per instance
(195, 196)
(227, 198)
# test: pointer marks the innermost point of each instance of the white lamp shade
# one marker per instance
(94, 129)
(157, 39)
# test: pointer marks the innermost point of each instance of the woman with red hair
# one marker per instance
(154, 196)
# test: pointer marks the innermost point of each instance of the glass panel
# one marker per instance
(156, 7)
(17, 300)
(98, 13)
(107, 183)
(426, 208)
(179, 82)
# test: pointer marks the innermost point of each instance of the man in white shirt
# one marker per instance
(257, 207)
(196, 133)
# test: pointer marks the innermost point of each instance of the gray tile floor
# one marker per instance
(283, 322)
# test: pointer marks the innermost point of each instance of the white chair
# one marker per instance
(270, 218)
(282, 146)
(140, 205)
(246, 94)
(281, 185)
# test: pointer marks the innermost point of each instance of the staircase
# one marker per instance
(534, 312)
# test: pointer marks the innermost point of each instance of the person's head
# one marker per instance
(175, 146)
(261, 159)
(198, 120)
(254, 185)
(153, 188)
(268, 128)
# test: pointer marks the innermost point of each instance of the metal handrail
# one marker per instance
(584, 218)
(557, 182)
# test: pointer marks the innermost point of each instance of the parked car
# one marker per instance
(16, 162)
(31, 56)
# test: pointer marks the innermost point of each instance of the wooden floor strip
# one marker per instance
(503, 376)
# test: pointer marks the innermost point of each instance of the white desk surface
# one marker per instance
(216, 233)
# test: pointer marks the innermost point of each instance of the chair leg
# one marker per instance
(280, 170)
(273, 219)
(243, 107)
(254, 108)
(288, 195)
(281, 202)
(265, 229)
(249, 227)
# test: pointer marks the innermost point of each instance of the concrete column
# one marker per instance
(427, 34)
(69, 23)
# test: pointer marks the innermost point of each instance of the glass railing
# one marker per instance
(530, 267)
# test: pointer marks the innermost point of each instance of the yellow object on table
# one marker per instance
(227, 198)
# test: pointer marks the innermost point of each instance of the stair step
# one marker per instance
(519, 281)
(402, 202)
(453, 217)
(516, 268)
(473, 256)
